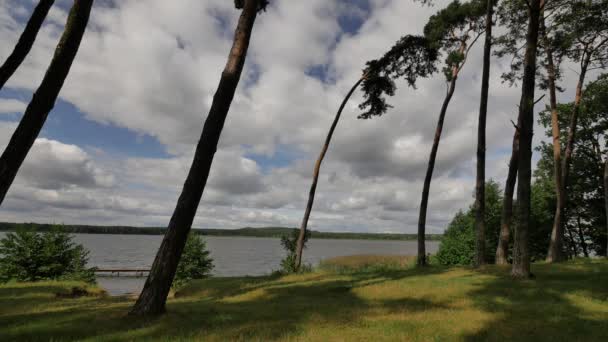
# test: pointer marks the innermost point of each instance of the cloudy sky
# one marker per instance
(118, 144)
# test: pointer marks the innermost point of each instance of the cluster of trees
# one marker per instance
(539, 35)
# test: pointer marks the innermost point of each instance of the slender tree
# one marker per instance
(411, 57)
(153, 297)
(584, 27)
(315, 175)
(506, 219)
(24, 45)
(44, 98)
(455, 29)
(551, 69)
(606, 199)
(521, 253)
(480, 182)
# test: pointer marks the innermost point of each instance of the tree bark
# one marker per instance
(506, 219)
(315, 176)
(153, 297)
(606, 199)
(44, 98)
(555, 252)
(557, 233)
(25, 42)
(581, 236)
(521, 253)
(421, 260)
(480, 183)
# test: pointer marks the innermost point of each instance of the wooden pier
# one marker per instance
(115, 272)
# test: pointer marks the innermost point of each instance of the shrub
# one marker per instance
(458, 242)
(30, 256)
(289, 243)
(195, 262)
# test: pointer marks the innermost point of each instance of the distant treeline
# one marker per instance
(274, 232)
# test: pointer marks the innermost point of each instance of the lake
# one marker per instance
(232, 256)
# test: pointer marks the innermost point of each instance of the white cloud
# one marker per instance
(153, 66)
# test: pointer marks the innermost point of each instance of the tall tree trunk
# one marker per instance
(480, 197)
(421, 260)
(506, 219)
(153, 297)
(315, 176)
(581, 235)
(606, 199)
(24, 45)
(521, 253)
(44, 98)
(555, 252)
(555, 244)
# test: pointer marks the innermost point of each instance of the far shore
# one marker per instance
(265, 232)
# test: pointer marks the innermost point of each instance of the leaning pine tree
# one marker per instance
(454, 30)
(44, 98)
(411, 57)
(25, 42)
(153, 297)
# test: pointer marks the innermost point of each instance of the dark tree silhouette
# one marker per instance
(480, 206)
(521, 253)
(506, 219)
(450, 30)
(24, 45)
(411, 57)
(153, 297)
(44, 98)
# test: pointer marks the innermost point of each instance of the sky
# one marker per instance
(117, 146)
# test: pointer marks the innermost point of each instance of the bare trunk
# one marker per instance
(480, 195)
(557, 234)
(315, 176)
(421, 260)
(606, 199)
(581, 236)
(24, 45)
(153, 297)
(521, 253)
(45, 96)
(506, 220)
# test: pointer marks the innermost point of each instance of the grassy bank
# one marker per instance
(346, 300)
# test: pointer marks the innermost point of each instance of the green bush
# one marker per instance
(458, 242)
(30, 256)
(195, 262)
(289, 243)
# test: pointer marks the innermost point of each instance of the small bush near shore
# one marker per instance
(30, 256)
(195, 262)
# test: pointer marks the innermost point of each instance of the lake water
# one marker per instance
(232, 256)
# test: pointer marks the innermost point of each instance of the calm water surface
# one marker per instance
(232, 256)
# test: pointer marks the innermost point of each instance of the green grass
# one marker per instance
(565, 302)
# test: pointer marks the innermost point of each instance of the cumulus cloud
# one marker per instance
(153, 66)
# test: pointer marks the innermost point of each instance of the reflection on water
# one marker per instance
(233, 256)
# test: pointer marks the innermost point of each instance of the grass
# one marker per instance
(565, 302)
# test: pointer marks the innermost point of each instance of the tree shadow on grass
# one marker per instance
(269, 309)
(562, 303)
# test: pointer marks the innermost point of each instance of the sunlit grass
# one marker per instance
(348, 299)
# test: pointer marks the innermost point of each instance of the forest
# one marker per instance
(543, 227)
